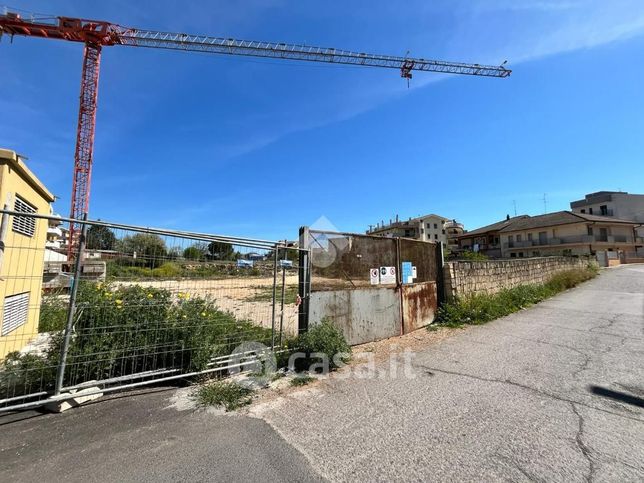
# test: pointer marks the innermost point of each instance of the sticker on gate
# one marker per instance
(387, 275)
(374, 275)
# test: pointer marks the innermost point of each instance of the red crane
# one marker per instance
(96, 34)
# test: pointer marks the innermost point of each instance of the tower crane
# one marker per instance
(96, 34)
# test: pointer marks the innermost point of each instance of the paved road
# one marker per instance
(144, 437)
(510, 400)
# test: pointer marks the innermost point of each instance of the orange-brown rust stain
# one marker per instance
(419, 305)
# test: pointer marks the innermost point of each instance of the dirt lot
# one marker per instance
(248, 298)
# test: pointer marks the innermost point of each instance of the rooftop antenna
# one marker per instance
(515, 207)
(545, 204)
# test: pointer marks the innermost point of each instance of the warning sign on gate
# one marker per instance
(387, 275)
(374, 274)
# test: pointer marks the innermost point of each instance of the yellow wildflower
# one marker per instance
(203, 314)
(150, 295)
(183, 316)
(118, 301)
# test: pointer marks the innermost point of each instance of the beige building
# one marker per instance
(425, 228)
(558, 233)
(21, 252)
(568, 233)
(487, 239)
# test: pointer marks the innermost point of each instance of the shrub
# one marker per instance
(53, 313)
(27, 373)
(301, 380)
(167, 270)
(121, 330)
(324, 338)
(470, 255)
(229, 394)
(482, 308)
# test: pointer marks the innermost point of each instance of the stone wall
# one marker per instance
(491, 276)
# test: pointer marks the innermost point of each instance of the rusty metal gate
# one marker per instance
(370, 287)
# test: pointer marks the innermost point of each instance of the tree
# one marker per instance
(148, 248)
(221, 251)
(194, 253)
(100, 238)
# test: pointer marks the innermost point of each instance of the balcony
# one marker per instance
(565, 240)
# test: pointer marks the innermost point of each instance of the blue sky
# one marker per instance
(259, 147)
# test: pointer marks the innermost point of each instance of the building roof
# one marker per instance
(559, 218)
(12, 158)
(498, 226)
(527, 222)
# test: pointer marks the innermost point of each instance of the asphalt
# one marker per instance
(510, 400)
(552, 393)
(144, 437)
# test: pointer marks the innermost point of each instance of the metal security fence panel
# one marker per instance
(137, 305)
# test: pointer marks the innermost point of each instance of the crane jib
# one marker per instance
(219, 45)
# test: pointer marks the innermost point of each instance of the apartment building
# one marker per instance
(617, 204)
(558, 233)
(425, 228)
(22, 250)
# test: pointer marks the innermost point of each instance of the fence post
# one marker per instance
(440, 275)
(283, 293)
(274, 295)
(399, 280)
(60, 375)
(304, 280)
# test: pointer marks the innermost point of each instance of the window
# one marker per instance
(583, 210)
(513, 255)
(435, 226)
(590, 230)
(422, 230)
(535, 254)
(590, 211)
(14, 313)
(603, 209)
(435, 236)
(443, 232)
(529, 236)
(25, 225)
(510, 241)
(518, 238)
(520, 254)
(428, 225)
(543, 238)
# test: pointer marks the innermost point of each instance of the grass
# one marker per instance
(265, 294)
(228, 394)
(481, 308)
(301, 380)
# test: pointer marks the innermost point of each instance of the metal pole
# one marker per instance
(304, 280)
(274, 296)
(72, 308)
(440, 274)
(283, 293)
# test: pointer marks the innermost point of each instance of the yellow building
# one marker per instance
(22, 249)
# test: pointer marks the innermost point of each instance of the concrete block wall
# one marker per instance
(491, 276)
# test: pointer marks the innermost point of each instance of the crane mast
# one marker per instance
(96, 34)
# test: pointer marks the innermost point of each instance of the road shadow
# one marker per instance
(617, 395)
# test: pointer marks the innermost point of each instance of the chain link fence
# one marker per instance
(134, 306)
